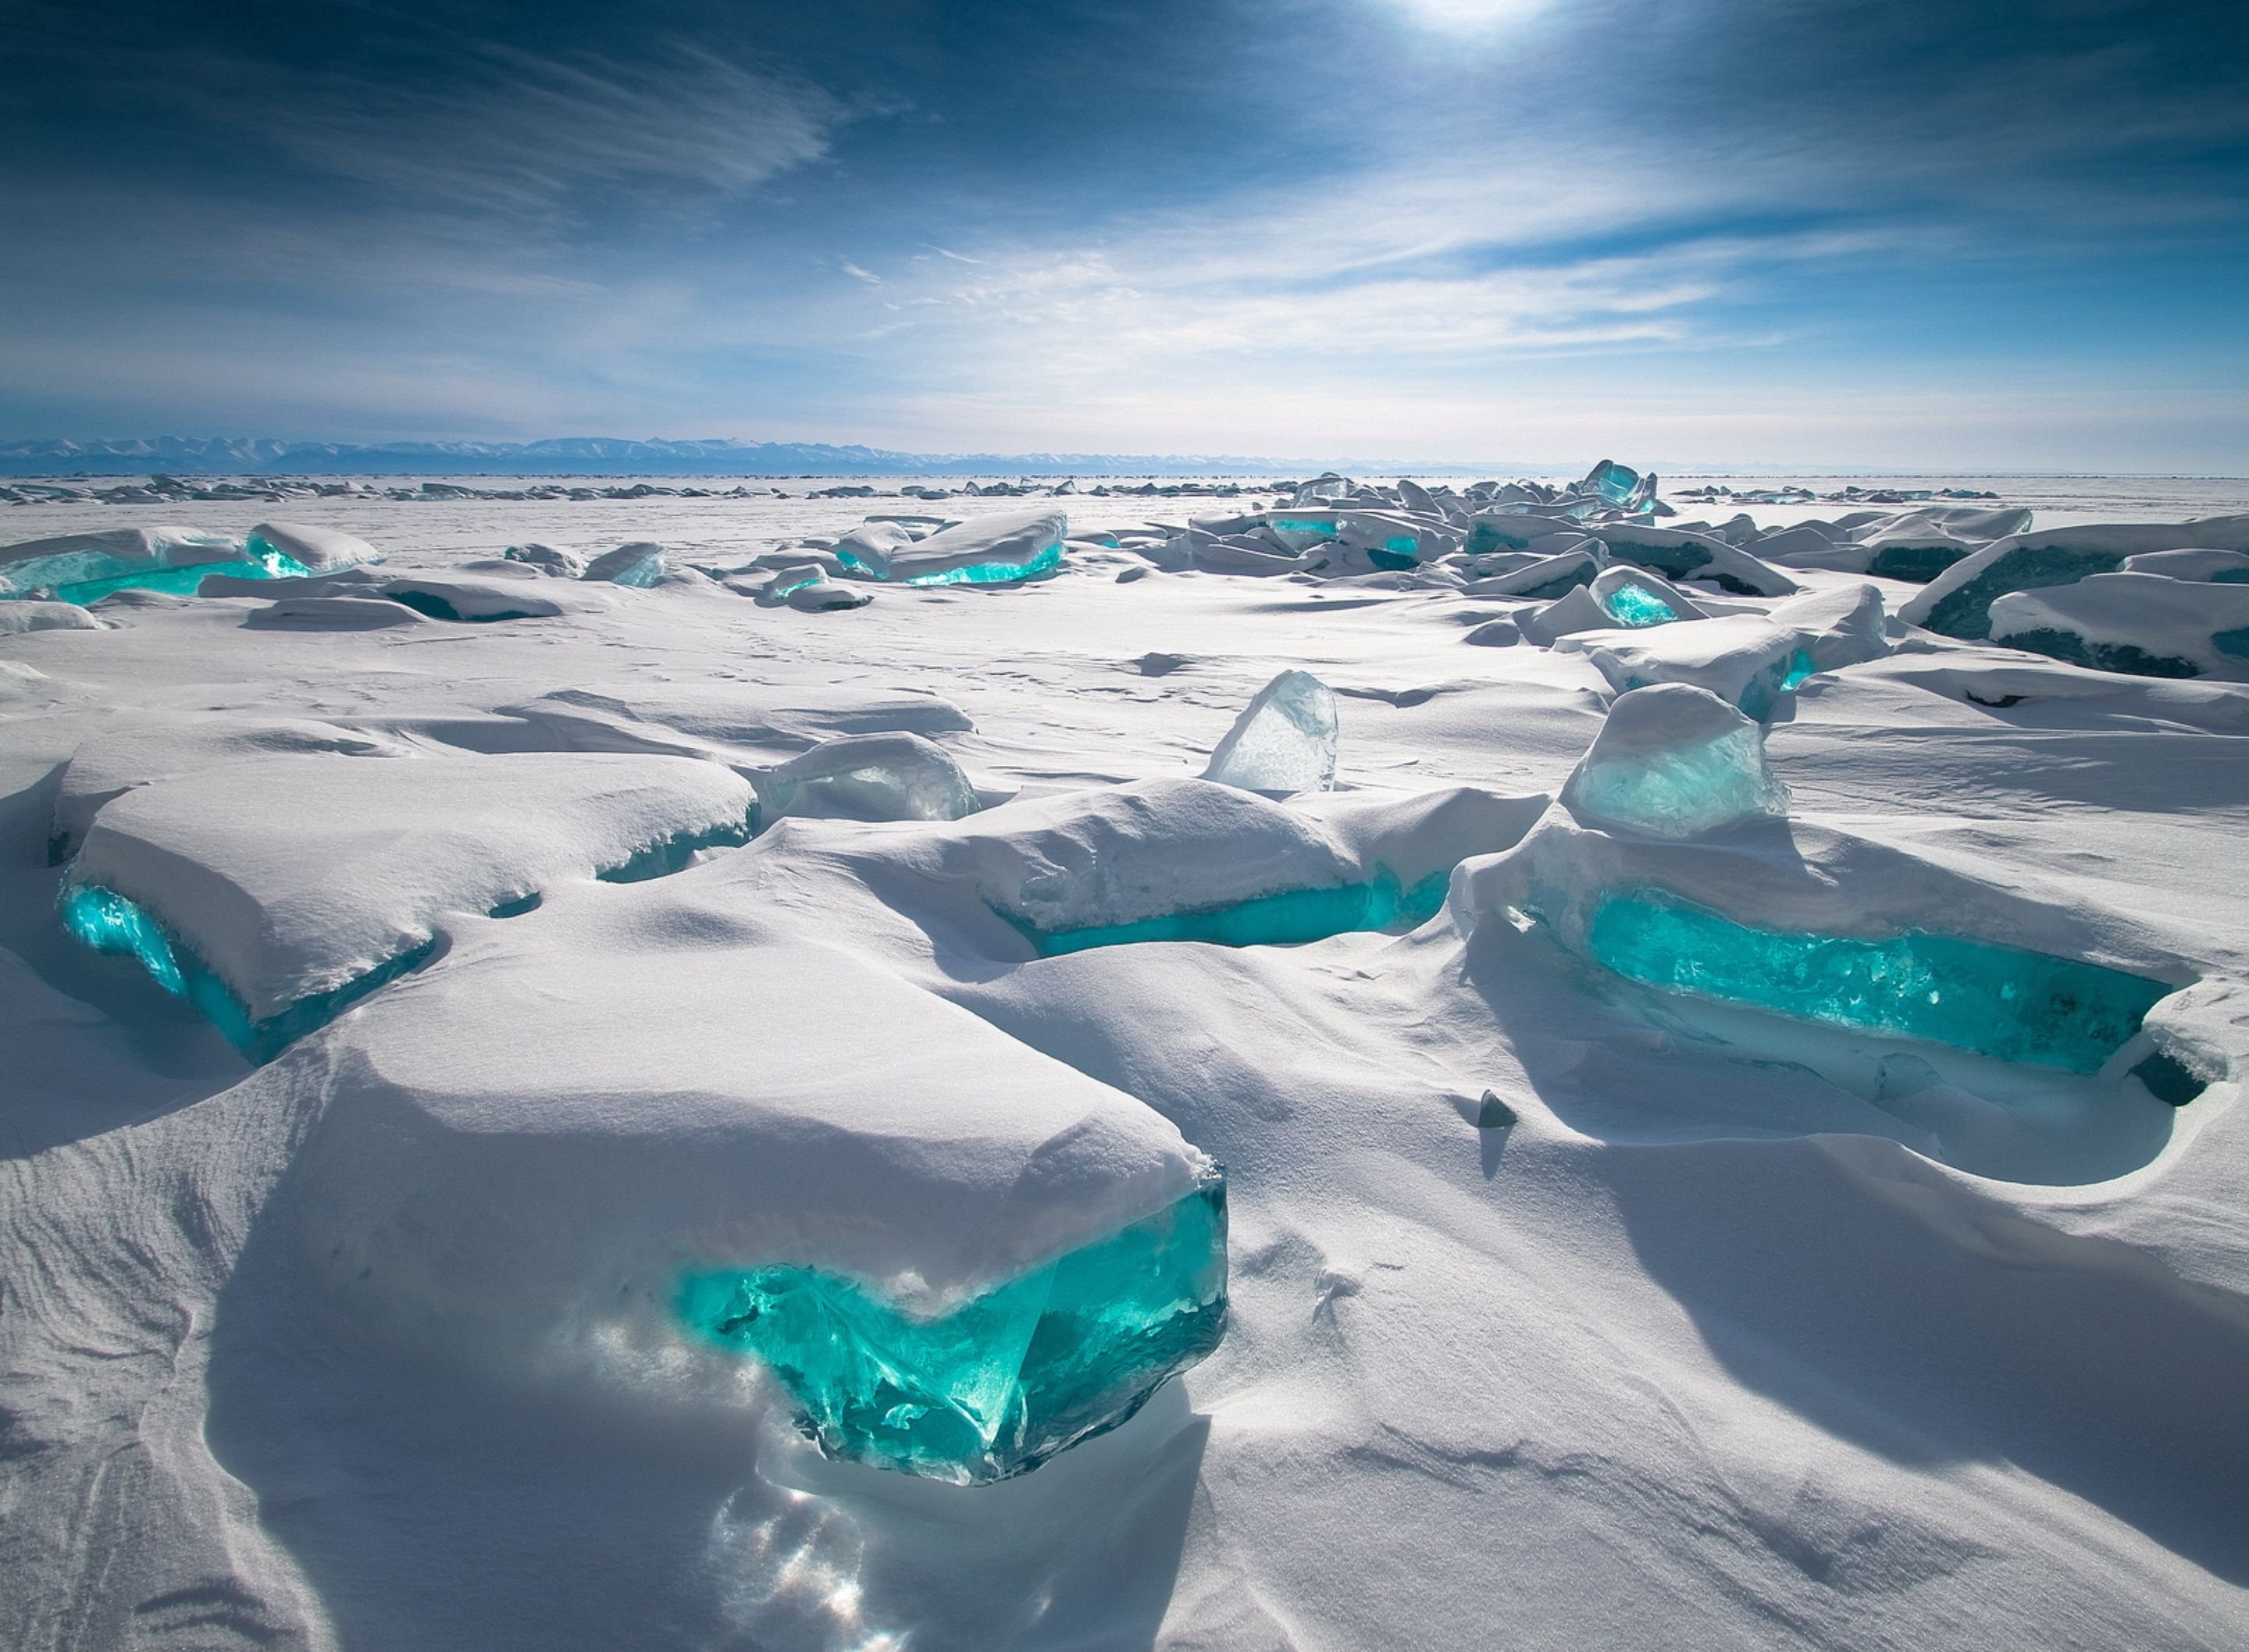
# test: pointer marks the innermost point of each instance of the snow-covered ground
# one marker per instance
(1564, 1311)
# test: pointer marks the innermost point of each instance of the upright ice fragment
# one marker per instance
(1283, 741)
(640, 563)
(869, 776)
(1673, 761)
(1003, 1382)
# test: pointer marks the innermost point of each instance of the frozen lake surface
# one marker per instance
(1796, 1193)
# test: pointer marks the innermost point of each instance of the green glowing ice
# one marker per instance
(1004, 1381)
(1996, 1000)
(1291, 918)
(976, 573)
(108, 922)
(1637, 606)
(182, 581)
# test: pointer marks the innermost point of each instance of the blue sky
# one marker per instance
(1952, 236)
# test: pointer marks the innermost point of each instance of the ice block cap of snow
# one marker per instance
(1673, 761)
(1284, 741)
(870, 776)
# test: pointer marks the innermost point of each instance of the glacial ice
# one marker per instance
(81, 568)
(1634, 604)
(563, 565)
(303, 547)
(1998, 1001)
(1290, 917)
(2142, 624)
(1957, 602)
(1681, 554)
(109, 922)
(1673, 761)
(869, 776)
(994, 549)
(1743, 659)
(639, 563)
(1284, 740)
(1636, 598)
(1000, 1384)
(372, 854)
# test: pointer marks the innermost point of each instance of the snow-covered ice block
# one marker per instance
(1823, 926)
(1512, 530)
(84, 567)
(869, 776)
(293, 882)
(1678, 553)
(588, 1152)
(1746, 660)
(339, 613)
(1673, 761)
(639, 563)
(31, 615)
(156, 746)
(993, 550)
(1394, 539)
(2217, 568)
(1636, 598)
(1957, 602)
(1843, 625)
(2142, 624)
(548, 558)
(1545, 578)
(1283, 741)
(299, 547)
(1576, 610)
(482, 599)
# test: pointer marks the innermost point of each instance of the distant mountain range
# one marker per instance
(606, 455)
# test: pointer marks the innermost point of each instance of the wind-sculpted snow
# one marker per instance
(1755, 1153)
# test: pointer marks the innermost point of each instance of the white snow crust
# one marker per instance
(1565, 1312)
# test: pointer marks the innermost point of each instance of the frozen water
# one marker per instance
(26, 614)
(997, 1386)
(563, 565)
(1957, 602)
(307, 548)
(1673, 761)
(1743, 659)
(869, 776)
(83, 567)
(1283, 741)
(2145, 624)
(640, 563)
(1635, 605)
(1998, 1001)
(1292, 918)
(996, 549)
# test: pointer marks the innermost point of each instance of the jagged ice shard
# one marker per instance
(1996, 1000)
(1001, 1383)
(1283, 741)
(1673, 761)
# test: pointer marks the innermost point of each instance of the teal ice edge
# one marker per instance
(178, 579)
(110, 923)
(994, 1387)
(1046, 562)
(1291, 917)
(674, 854)
(2004, 1002)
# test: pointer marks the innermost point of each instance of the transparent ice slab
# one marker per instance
(1002, 1383)
(1998, 1001)
(1683, 791)
(1637, 606)
(108, 922)
(1293, 917)
(1283, 741)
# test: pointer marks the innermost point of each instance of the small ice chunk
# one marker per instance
(2210, 567)
(1742, 658)
(1673, 761)
(1575, 611)
(639, 563)
(1635, 599)
(824, 596)
(548, 558)
(869, 776)
(1283, 741)
(1844, 626)
(23, 615)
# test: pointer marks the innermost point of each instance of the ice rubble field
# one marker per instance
(1328, 1069)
